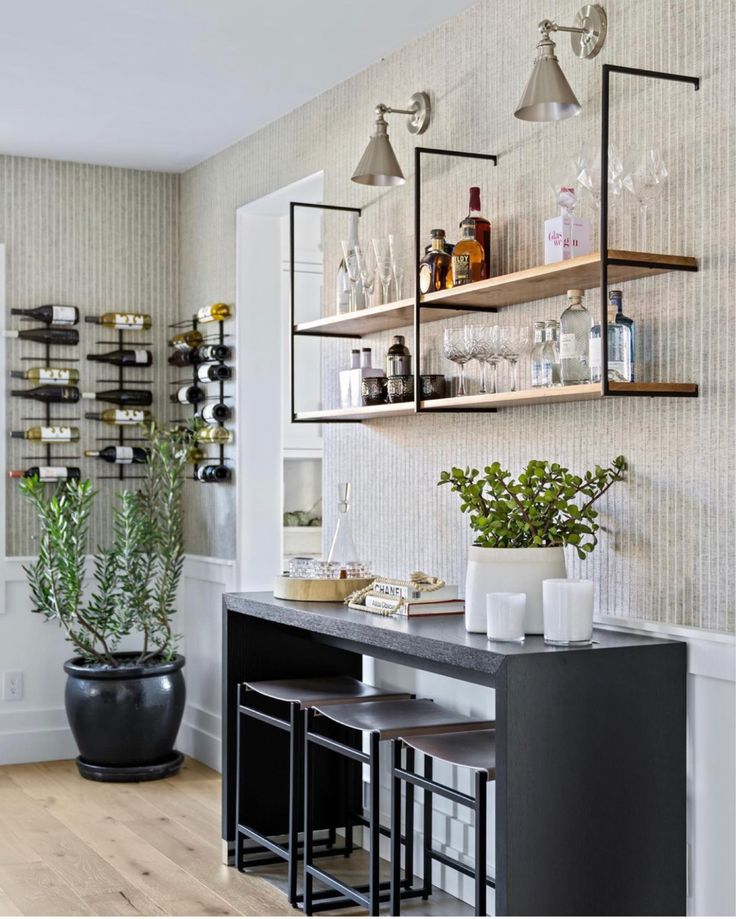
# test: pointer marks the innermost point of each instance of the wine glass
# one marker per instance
(514, 342)
(494, 354)
(588, 165)
(367, 269)
(644, 181)
(456, 350)
(400, 248)
(478, 343)
(351, 266)
(383, 264)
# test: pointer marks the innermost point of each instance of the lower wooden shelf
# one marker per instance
(585, 392)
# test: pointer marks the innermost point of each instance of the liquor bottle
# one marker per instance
(467, 260)
(47, 375)
(551, 353)
(122, 320)
(213, 434)
(48, 435)
(482, 227)
(124, 357)
(120, 454)
(541, 371)
(615, 297)
(208, 353)
(121, 416)
(215, 411)
(575, 325)
(122, 396)
(343, 286)
(434, 267)
(187, 341)
(47, 336)
(619, 350)
(47, 473)
(188, 395)
(48, 393)
(213, 473)
(213, 373)
(398, 358)
(216, 312)
(58, 315)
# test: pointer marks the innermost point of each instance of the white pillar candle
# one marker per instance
(505, 616)
(568, 610)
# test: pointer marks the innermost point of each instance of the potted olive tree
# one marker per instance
(124, 707)
(522, 526)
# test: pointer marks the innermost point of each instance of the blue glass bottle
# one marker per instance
(619, 350)
(615, 298)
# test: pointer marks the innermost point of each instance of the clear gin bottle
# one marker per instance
(575, 326)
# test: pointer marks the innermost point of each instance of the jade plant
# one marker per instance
(547, 505)
(135, 578)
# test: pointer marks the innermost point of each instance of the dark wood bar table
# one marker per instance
(590, 776)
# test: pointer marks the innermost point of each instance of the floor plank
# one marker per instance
(37, 890)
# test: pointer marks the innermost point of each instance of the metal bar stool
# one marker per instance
(299, 695)
(474, 749)
(378, 721)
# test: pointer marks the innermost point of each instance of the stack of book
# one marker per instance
(388, 598)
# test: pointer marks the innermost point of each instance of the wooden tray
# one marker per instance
(326, 590)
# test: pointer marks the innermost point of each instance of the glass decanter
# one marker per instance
(342, 547)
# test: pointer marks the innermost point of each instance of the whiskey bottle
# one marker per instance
(121, 455)
(48, 336)
(187, 341)
(468, 263)
(188, 395)
(213, 373)
(216, 312)
(120, 416)
(208, 353)
(48, 435)
(214, 411)
(124, 357)
(482, 228)
(575, 325)
(213, 435)
(48, 393)
(47, 374)
(213, 473)
(434, 267)
(52, 314)
(122, 321)
(122, 396)
(47, 473)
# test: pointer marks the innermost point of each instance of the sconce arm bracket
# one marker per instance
(419, 114)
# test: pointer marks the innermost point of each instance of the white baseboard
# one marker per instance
(200, 737)
(35, 735)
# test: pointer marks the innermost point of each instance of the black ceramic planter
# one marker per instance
(125, 720)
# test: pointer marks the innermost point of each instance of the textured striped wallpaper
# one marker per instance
(101, 239)
(668, 550)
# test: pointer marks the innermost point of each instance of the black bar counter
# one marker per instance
(590, 776)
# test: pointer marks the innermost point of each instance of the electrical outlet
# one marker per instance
(13, 686)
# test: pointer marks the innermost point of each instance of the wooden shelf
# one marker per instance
(363, 413)
(525, 286)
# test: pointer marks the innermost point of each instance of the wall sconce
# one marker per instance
(378, 165)
(548, 96)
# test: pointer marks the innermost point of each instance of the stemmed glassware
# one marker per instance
(457, 351)
(349, 248)
(400, 248)
(478, 343)
(644, 181)
(383, 265)
(588, 166)
(514, 342)
(367, 269)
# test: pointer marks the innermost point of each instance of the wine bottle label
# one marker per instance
(181, 395)
(129, 320)
(63, 315)
(208, 412)
(124, 455)
(141, 356)
(51, 473)
(60, 435)
(567, 346)
(425, 278)
(461, 270)
(53, 375)
(127, 416)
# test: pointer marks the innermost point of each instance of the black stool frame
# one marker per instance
(476, 803)
(369, 895)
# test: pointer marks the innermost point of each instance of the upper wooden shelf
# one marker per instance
(525, 286)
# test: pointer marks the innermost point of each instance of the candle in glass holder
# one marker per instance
(505, 616)
(568, 611)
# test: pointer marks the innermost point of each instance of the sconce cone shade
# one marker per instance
(378, 165)
(548, 96)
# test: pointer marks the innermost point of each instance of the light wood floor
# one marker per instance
(70, 847)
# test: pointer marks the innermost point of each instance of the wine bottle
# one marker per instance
(183, 358)
(122, 396)
(188, 395)
(47, 374)
(187, 341)
(216, 312)
(122, 320)
(47, 473)
(47, 435)
(213, 373)
(213, 473)
(120, 454)
(212, 353)
(121, 416)
(196, 455)
(124, 357)
(48, 393)
(58, 315)
(212, 435)
(48, 336)
(215, 411)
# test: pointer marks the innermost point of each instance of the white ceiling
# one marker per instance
(163, 84)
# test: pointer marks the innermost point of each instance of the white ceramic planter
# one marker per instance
(512, 570)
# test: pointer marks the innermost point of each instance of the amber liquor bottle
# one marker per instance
(482, 228)
(434, 267)
(468, 263)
